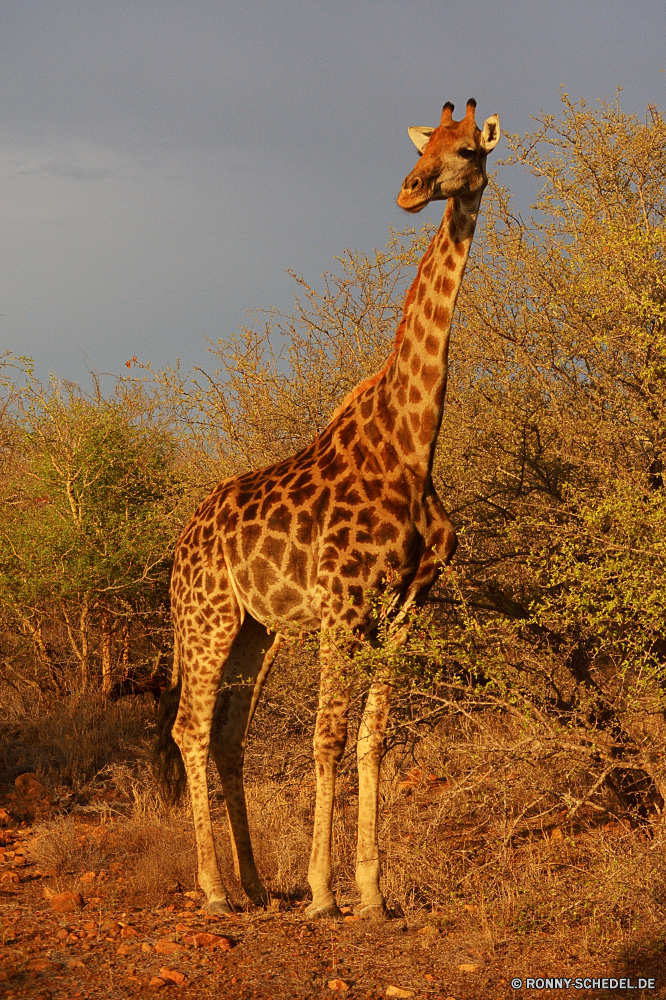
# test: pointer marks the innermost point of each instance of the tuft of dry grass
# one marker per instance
(63, 846)
(71, 740)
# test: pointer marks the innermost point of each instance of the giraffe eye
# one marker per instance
(467, 154)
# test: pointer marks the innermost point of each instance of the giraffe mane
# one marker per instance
(397, 341)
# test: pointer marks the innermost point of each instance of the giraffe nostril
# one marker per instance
(412, 185)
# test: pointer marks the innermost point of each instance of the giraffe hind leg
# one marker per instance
(245, 672)
(203, 654)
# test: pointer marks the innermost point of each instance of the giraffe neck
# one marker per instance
(414, 383)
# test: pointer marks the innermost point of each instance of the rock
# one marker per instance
(352, 919)
(157, 983)
(64, 902)
(205, 940)
(557, 834)
(125, 949)
(171, 976)
(40, 965)
(147, 947)
(167, 947)
(469, 967)
(110, 927)
(427, 929)
(337, 984)
(399, 991)
(5, 818)
(128, 931)
(25, 783)
(9, 877)
(88, 877)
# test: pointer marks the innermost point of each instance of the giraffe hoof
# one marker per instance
(257, 894)
(371, 911)
(323, 912)
(219, 907)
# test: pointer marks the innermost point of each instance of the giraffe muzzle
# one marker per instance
(413, 194)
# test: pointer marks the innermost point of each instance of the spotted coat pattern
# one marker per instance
(302, 543)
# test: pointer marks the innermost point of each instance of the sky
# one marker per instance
(164, 164)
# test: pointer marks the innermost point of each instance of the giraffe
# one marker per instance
(306, 542)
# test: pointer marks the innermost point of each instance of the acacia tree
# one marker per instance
(90, 503)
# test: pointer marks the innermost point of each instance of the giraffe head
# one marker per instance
(452, 161)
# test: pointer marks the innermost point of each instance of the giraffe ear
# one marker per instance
(491, 133)
(420, 134)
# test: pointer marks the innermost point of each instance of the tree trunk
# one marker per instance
(85, 650)
(126, 651)
(107, 670)
(79, 643)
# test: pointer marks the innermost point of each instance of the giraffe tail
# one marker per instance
(167, 759)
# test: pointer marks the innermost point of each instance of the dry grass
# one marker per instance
(69, 741)
(473, 819)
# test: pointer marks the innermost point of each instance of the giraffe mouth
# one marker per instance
(412, 200)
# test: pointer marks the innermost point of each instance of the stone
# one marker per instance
(203, 939)
(157, 983)
(469, 967)
(172, 976)
(26, 783)
(128, 931)
(125, 949)
(64, 902)
(167, 947)
(338, 984)
(88, 877)
(399, 991)
(5, 818)
(9, 877)
(147, 947)
(40, 965)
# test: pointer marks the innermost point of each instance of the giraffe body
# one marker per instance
(306, 542)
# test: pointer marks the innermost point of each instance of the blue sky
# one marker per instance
(164, 163)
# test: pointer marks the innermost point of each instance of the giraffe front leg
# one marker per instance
(329, 744)
(369, 754)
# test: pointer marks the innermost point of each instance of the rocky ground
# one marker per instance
(76, 934)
